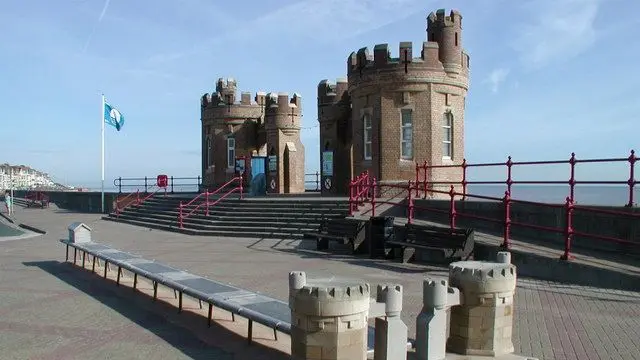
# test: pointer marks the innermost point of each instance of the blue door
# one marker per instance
(258, 176)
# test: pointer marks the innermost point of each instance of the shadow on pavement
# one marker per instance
(186, 332)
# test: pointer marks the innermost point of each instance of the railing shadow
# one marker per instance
(182, 334)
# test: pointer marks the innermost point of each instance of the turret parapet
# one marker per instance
(330, 93)
(281, 103)
(363, 61)
(439, 19)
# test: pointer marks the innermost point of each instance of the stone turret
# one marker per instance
(404, 109)
(249, 127)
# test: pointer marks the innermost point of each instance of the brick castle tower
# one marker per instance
(393, 112)
(268, 126)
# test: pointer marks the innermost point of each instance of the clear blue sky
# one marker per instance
(548, 76)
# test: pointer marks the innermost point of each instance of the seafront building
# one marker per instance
(21, 177)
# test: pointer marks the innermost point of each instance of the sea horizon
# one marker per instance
(600, 195)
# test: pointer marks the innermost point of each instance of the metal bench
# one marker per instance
(345, 231)
(253, 306)
(433, 243)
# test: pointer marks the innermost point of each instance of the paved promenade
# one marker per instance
(50, 310)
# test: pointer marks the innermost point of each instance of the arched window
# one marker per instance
(208, 151)
(367, 136)
(231, 152)
(406, 135)
(456, 39)
(447, 135)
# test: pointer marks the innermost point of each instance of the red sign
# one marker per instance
(162, 181)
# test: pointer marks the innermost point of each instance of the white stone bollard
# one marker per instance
(431, 324)
(504, 257)
(391, 332)
(328, 318)
(482, 324)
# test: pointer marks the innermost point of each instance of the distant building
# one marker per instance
(391, 113)
(23, 177)
(267, 127)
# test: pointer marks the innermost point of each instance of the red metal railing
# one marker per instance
(204, 200)
(34, 196)
(136, 198)
(568, 231)
(422, 177)
(359, 191)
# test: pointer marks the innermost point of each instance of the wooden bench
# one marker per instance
(346, 231)
(253, 306)
(433, 244)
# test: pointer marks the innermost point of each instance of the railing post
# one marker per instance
(372, 190)
(507, 220)
(632, 180)
(572, 178)
(206, 198)
(145, 184)
(241, 189)
(172, 184)
(199, 184)
(350, 198)
(464, 179)
(120, 184)
(452, 208)
(424, 178)
(410, 205)
(509, 164)
(318, 181)
(568, 230)
(180, 215)
(417, 179)
(137, 197)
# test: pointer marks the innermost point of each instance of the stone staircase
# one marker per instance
(268, 217)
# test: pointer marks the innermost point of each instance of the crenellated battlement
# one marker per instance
(331, 93)
(440, 19)
(365, 61)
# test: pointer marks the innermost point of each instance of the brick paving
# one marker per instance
(49, 310)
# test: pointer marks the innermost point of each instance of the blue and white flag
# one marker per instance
(113, 117)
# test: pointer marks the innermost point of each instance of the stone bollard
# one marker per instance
(328, 318)
(482, 324)
(431, 324)
(391, 331)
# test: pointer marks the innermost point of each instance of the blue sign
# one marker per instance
(327, 163)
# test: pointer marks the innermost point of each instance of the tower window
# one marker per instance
(367, 136)
(231, 152)
(208, 152)
(406, 136)
(447, 135)
(456, 39)
(432, 37)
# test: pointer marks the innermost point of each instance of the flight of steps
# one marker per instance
(280, 217)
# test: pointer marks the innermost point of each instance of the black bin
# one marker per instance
(380, 230)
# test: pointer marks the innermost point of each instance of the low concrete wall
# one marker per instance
(622, 227)
(79, 200)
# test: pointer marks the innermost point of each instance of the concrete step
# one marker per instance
(265, 233)
(230, 221)
(215, 212)
(244, 205)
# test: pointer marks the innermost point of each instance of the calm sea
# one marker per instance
(584, 195)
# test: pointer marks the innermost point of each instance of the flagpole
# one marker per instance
(102, 154)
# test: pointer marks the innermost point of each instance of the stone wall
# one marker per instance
(585, 222)
(80, 201)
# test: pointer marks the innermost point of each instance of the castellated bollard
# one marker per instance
(328, 318)
(482, 324)
(391, 331)
(431, 324)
